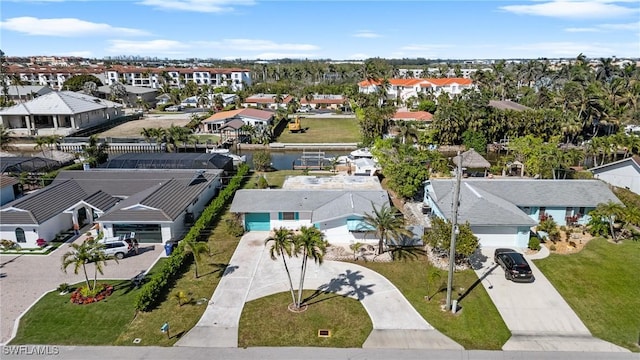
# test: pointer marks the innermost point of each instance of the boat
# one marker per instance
(339, 160)
(218, 151)
(237, 160)
(361, 153)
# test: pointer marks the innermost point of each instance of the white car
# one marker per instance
(119, 248)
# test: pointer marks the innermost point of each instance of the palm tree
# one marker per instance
(99, 259)
(612, 212)
(196, 248)
(5, 138)
(283, 244)
(387, 223)
(80, 255)
(310, 243)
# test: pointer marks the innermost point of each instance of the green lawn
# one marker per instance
(324, 130)
(276, 178)
(268, 322)
(55, 320)
(601, 283)
(477, 326)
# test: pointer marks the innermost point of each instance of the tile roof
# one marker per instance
(248, 113)
(323, 99)
(50, 201)
(426, 82)
(267, 99)
(59, 103)
(324, 204)
(413, 115)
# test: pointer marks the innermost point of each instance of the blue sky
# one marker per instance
(340, 30)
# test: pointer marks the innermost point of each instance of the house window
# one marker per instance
(568, 211)
(581, 212)
(20, 238)
(288, 216)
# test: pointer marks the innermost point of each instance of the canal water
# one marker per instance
(284, 160)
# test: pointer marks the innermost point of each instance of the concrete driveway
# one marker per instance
(538, 317)
(25, 278)
(252, 274)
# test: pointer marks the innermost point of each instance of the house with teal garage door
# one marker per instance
(336, 212)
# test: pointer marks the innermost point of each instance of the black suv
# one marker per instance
(514, 264)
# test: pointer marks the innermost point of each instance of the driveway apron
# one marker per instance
(252, 274)
(535, 313)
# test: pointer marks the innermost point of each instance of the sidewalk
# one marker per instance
(252, 275)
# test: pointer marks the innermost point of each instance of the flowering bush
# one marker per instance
(84, 296)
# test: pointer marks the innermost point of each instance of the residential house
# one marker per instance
(402, 89)
(163, 99)
(160, 160)
(137, 96)
(254, 117)
(365, 167)
(502, 212)
(196, 101)
(419, 116)
(321, 101)
(267, 101)
(623, 173)
(58, 113)
(158, 205)
(335, 205)
(8, 189)
(22, 93)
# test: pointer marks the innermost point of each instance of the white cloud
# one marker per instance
(151, 47)
(279, 55)
(634, 26)
(572, 9)
(581, 30)
(366, 34)
(257, 45)
(568, 49)
(65, 27)
(208, 6)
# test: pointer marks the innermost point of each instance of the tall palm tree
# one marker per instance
(196, 248)
(99, 259)
(310, 243)
(612, 212)
(79, 256)
(387, 222)
(283, 244)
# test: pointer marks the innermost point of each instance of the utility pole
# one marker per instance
(454, 231)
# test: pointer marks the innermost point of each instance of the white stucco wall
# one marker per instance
(9, 233)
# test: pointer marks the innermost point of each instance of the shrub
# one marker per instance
(262, 183)
(64, 287)
(9, 245)
(552, 247)
(234, 227)
(150, 292)
(534, 243)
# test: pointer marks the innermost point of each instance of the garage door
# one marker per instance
(257, 222)
(496, 236)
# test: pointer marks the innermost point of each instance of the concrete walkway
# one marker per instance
(25, 278)
(252, 275)
(537, 315)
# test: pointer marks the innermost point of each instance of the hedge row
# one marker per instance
(150, 292)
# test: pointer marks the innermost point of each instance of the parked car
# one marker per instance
(516, 267)
(119, 248)
(174, 108)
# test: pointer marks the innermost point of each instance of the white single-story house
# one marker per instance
(58, 113)
(328, 101)
(501, 212)
(365, 167)
(253, 117)
(334, 209)
(196, 101)
(158, 205)
(267, 101)
(163, 99)
(623, 173)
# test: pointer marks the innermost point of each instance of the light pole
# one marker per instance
(454, 231)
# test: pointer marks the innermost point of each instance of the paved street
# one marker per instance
(538, 317)
(24, 279)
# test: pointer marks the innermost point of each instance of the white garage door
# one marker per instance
(496, 236)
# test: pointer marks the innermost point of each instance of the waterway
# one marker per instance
(284, 160)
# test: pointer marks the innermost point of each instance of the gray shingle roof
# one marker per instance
(27, 90)
(59, 103)
(325, 204)
(106, 89)
(101, 200)
(498, 201)
(45, 203)
(7, 181)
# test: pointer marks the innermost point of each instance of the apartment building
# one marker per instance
(402, 89)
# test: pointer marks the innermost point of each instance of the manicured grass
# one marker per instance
(181, 319)
(601, 285)
(324, 130)
(55, 320)
(268, 322)
(477, 326)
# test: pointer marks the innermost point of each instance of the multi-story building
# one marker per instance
(55, 77)
(402, 89)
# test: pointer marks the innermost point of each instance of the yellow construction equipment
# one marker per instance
(294, 126)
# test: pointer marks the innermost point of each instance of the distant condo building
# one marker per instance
(54, 77)
(403, 89)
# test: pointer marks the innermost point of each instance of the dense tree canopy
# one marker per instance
(77, 82)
